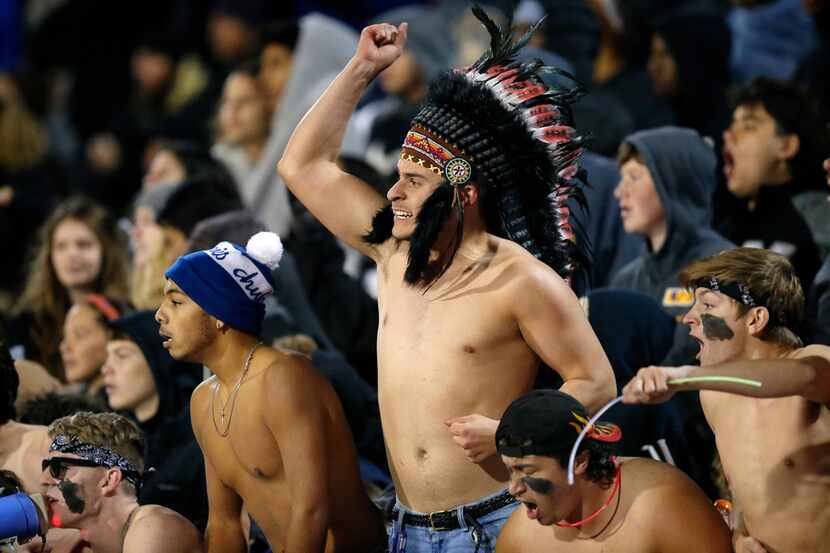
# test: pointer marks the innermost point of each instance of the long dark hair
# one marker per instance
(46, 299)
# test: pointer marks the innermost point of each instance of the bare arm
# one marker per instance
(556, 328)
(224, 530)
(342, 202)
(806, 374)
(298, 425)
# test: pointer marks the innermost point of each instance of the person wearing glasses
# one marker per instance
(92, 475)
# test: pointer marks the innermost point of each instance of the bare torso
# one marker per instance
(22, 448)
(248, 460)
(452, 351)
(638, 525)
(776, 457)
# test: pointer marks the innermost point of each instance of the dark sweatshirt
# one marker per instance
(178, 481)
(682, 166)
(775, 224)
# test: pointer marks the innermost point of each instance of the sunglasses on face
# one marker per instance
(59, 465)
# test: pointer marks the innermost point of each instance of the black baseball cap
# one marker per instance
(546, 422)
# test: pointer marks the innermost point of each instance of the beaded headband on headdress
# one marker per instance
(422, 147)
(100, 455)
(497, 121)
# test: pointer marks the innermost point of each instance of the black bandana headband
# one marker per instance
(739, 292)
(100, 455)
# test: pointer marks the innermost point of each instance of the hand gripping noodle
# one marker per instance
(498, 124)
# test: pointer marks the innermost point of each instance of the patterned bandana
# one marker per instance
(101, 455)
(427, 150)
(741, 293)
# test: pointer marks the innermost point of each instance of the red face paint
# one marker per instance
(56, 522)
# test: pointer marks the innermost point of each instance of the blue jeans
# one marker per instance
(420, 539)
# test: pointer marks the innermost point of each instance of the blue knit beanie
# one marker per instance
(231, 282)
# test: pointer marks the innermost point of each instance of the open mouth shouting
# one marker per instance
(728, 163)
(532, 510)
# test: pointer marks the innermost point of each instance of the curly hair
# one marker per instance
(602, 467)
(110, 430)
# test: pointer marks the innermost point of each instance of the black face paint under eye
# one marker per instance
(716, 328)
(538, 485)
(70, 490)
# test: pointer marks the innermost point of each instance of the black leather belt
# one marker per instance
(448, 520)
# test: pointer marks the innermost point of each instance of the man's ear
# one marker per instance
(581, 463)
(789, 145)
(112, 480)
(757, 320)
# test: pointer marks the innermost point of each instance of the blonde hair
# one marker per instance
(147, 279)
(771, 280)
(109, 430)
(46, 298)
(23, 139)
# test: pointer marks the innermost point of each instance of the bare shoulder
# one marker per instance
(200, 394)
(527, 271)
(648, 474)
(812, 350)
(664, 493)
(653, 483)
(288, 369)
(157, 528)
(512, 535)
(291, 381)
(198, 403)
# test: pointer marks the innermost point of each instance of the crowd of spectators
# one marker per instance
(134, 133)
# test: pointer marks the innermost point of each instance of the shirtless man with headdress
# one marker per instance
(770, 413)
(473, 248)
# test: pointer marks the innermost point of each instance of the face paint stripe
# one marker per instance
(70, 491)
(538, 485)
(715, 328)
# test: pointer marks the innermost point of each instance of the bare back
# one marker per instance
(249, 459)
(776, 457)
(22, 448)
(454, 350)
(660, 511)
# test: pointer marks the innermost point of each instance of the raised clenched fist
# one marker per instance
(380, 45)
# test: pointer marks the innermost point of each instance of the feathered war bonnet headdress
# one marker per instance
(497, 123)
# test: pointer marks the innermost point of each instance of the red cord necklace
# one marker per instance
(595, 514)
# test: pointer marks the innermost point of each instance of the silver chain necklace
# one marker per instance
(231, 398)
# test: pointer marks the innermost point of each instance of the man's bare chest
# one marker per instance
(768, 446)
(462, 324)
(242, 448)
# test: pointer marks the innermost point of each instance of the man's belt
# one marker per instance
(448, 520)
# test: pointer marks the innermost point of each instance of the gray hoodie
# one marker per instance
(324, 47)
(682, 166)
